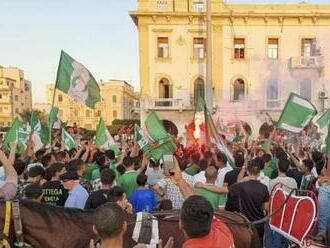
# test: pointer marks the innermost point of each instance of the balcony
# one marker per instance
(313, 62)
(168, 104)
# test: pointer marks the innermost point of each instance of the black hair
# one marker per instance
(266, 158)
(45, 160)
(75, 165)
(116, 193)
(317, 156)
(60, 156)
(283, 165)
(195, 158)
(100, 159)
(36, 171)
(203, 163)
(153, 163)
(128, 161)
(196, 216)
(308, 164)
(222, 157)
(109, 220)
(20, 166)
(107, 176)
(254, 166)
(239, 160)
(110, 154)
(141, 179)
(72, 152)
(32, 191)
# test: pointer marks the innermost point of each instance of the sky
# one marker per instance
(98, 33)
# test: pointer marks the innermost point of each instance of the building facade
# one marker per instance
(117, 102)
(260, 53)
(15, 94)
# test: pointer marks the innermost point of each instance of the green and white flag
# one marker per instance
(68, 140)
(75, 80)
(34, 128)
(159, 141)
(210, 132)
(324, 119)
(103, 138)
(297, 114)
(52, 118)
(17, 134)
(140, 138)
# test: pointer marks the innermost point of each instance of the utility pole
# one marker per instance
(209, 84)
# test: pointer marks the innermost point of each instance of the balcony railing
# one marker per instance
(313, 62)
(168, 104)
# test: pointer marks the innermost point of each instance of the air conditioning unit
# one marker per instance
(323, 94)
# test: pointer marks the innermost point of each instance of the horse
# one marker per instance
(46, 226)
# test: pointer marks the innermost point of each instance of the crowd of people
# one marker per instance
(201, 182)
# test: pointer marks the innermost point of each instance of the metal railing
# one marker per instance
(304, 62)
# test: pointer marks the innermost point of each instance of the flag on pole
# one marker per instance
(211, 132)
(324, 119)
(34, 128)
(52, 118)
(68, 140)
(75, 80)
(17, 134)
(153, 138)
(103, 138)
(297, 114)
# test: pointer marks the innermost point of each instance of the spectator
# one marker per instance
(223, 168)
(53, 190)
(216, 199)
(118, 195)
(267, 161)
(101, 196)
(282, 178)
(308, 175)
(77, 194)
(143, 199)
(78, 166)
(252, 195)
(154, 173)
(33, 192)
(200, 177)
(201, 228)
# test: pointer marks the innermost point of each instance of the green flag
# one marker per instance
(212, 133)
(34, 128)
(324, 119)
(154, 133)
(103, 138)
(328, 142)
(297, 114)
(52, 118)
(75, 80)
(17, 134)
(68, 140)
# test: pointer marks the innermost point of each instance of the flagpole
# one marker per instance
(54, 94)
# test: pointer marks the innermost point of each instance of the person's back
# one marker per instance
(282, 179)
(128, 180)
(143, 199)
(216, 199)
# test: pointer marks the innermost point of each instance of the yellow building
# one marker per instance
(15, 94)
(260, 53)
(117, 102)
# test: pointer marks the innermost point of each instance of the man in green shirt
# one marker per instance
(128, 180)
(217, 200)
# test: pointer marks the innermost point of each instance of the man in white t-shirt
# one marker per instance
(223, 168)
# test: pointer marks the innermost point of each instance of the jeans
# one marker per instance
(274, 239)
(324, 201)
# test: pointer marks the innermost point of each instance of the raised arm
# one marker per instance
(10, 172)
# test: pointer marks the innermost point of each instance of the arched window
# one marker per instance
(199, 89)
(165, 88)
(239, 90)
(272, 93)
(306, 88)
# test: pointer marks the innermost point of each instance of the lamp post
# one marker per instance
(209, 84)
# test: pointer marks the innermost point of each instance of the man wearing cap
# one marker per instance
(53, 190)
(77, 194)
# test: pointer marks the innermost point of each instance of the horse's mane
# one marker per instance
(49, 212)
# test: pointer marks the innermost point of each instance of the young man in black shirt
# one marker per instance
(231, 178)
(252, 196)
(53, 190)
(101, 196)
